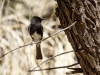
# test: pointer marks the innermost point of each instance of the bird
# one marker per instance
(35, 30)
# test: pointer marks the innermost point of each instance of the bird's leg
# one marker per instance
(31, 43)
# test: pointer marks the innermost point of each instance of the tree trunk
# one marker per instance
(84, 36)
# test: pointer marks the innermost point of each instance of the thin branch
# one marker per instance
(14, 50)
(76, 70)
(48, 60)
(57, 67)
(40, 40)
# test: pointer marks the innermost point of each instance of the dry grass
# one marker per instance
(15, 16)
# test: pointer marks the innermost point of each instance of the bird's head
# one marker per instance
(36, 20)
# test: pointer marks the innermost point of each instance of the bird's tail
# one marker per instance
(38, 51)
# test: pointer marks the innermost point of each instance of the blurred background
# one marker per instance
(15, 16)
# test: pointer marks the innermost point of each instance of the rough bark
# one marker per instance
(85, 35)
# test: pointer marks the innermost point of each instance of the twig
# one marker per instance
(14, 50)
(40, 40)
(76, 70)
(57, 67)
(73, 72)
(48, 60)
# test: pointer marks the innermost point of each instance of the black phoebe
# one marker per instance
(36, 32)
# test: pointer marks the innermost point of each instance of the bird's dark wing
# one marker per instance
(40, 31)
(31, 31)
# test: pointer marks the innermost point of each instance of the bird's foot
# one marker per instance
(31, 43)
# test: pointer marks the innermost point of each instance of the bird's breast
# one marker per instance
(36, 36)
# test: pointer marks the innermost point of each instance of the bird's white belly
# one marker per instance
(36, 36)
